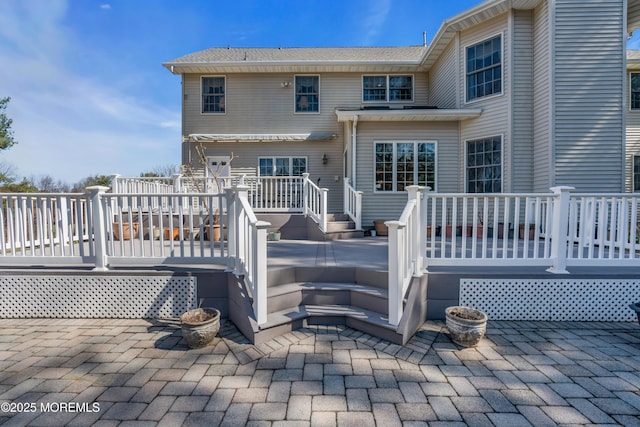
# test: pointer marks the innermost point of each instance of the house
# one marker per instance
(509, 96)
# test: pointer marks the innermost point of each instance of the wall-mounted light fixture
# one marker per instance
(285, 84)
(325, 159)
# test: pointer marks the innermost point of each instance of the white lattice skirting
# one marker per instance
(116, 297)
(561, 300)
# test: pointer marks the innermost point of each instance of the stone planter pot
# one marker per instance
(466, 325)
(636, 307)
(200, 326)
(380, 227)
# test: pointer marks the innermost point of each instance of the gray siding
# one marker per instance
(522, 107)
(542, 72)
(496, 113)
(588, 113)
(389, 205)
(257, 103)
(443, 79)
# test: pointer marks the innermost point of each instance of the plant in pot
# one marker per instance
(125, 230)
(532, 231)
(200, 326)
(466, 325)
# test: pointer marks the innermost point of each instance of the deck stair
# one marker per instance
(301, 296)
(340, 226)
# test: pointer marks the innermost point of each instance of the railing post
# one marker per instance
(305, 193)
(417, 241)
(323, 209)
(177, 182)
(260, 271)
(559, 224)
(232, 230)
(424, 223)
(358, 209)
(115, 184)
(99, 229)
(346, 197)
(396, 242)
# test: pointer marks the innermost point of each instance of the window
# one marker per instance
(401, 164)
(213, 89)
(307, 94)
(387, 88)
(635, 91)
(636, 173)
(484, 165)
(484, 69)
(282, 166)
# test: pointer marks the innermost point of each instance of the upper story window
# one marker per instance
(484, 69)
(387, 88)
(307, 94)
(213, 89)
(635, 91)
(484, 165)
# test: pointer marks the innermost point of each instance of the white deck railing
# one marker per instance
(556, 230)
(266, 194)
(353, 203)
(100, 228)
(45, 226)
(315, 202)
(405, 259)
(248, 248)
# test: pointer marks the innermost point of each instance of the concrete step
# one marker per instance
(343, 234)
(367, 321)
(290, 295)
(333, 226)
(358, 275)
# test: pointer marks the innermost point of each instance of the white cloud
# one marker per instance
(68, 124)
(374, 20)
(105, 6)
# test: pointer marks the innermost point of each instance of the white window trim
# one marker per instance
(466, 170)
(215, 113)
(294, 94)
(633, 161)
(464, 71)
(283, 157)
(635, 110)
(395, 142)
(386, 101)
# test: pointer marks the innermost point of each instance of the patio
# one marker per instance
(141, 373)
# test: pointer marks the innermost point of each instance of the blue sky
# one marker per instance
(89, 94)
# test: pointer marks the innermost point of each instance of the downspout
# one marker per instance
(354, 132)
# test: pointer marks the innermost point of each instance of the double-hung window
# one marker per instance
(634, 87)
(484, 165)
(484, 69)
(307, 94)
(387, 88)
(282, 166)
(213, 92)
(401, 164)
(636, 173)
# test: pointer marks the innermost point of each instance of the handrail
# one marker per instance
(353, 203)
(405, 255)
(315, 202)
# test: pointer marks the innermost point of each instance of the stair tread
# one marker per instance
(326, 286)
(302, 311)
